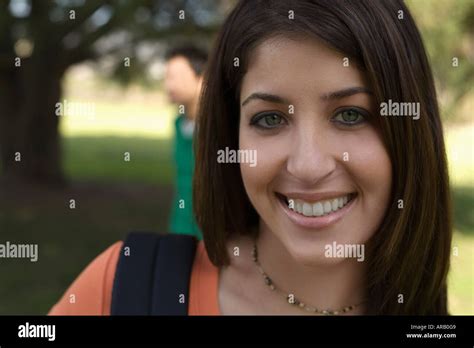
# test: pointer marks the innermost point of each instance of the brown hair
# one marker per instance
(409, 254)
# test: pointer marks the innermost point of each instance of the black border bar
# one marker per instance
(241, 329)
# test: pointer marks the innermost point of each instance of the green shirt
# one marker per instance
(182, 218)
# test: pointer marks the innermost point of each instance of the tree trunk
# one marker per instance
(29, 138)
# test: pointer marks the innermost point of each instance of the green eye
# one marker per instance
(349, 117)
(268, 120)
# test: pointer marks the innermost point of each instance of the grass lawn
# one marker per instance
(461, 291)
(102, 159)
(69, 239)
(459, 140)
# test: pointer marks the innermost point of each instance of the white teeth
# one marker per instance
(327, 207)
(307, 209)
(318, 208)
(299, 207)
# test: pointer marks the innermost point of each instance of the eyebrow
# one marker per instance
(346, 92)
(343, 93)
(266, 97)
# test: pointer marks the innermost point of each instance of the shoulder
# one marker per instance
(204, 284)
(179, 120)
(202, 265)
(91, 292)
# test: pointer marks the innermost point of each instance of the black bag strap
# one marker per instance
(153, 275)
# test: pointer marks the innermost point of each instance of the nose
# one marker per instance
(310, 158)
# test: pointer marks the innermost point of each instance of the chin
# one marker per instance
(310, 253)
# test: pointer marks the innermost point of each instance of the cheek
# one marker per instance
(371, 169)
(182, 89)
(270, 161)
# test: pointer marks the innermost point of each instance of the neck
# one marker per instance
(191, 109)
(325, 286)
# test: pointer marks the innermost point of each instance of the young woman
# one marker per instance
(345, 208)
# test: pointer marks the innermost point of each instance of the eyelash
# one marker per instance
(261, 116)
(256, 118)
(360, 112)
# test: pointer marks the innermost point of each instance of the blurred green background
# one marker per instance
(132, 115)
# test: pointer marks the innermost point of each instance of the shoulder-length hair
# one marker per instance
(409, 255)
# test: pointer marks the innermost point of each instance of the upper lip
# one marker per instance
(314, 197)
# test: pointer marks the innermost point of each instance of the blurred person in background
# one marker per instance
(183, 80)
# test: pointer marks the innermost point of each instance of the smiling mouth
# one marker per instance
(318, 208)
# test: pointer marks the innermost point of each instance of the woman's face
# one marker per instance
(322, 173)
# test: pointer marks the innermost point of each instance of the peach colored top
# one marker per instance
(91, 292)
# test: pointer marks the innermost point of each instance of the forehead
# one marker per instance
(296, 67)
(178, 63)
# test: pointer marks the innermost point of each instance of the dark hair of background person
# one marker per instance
(196, 56)
(409, 254)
